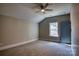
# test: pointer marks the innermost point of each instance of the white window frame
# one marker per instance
(53, 29)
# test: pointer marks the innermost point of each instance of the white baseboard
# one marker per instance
(74, 47)
(16, 44)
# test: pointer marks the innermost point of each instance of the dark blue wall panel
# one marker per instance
(66, 32)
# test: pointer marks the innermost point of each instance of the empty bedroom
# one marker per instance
(39, 29)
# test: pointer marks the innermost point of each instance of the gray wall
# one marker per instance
(13, 30)
(44, 27)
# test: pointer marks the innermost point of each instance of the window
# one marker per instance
(53, 29)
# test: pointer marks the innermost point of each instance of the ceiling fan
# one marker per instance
(42, 7)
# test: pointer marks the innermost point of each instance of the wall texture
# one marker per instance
(13, 30)
(44, 27)
(75, 28)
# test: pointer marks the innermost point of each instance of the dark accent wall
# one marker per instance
(66, 32)
(44, 27)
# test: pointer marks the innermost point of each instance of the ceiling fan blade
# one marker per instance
(48, 10)
(43, 5)
(46, 5)
(40, 5)
(37, 6)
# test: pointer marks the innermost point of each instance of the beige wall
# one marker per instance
(75, 28)
(13, 30)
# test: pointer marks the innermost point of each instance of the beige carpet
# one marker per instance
(39, 48)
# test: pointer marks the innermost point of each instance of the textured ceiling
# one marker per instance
(26, 11)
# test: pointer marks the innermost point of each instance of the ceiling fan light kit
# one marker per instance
(42, 10)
